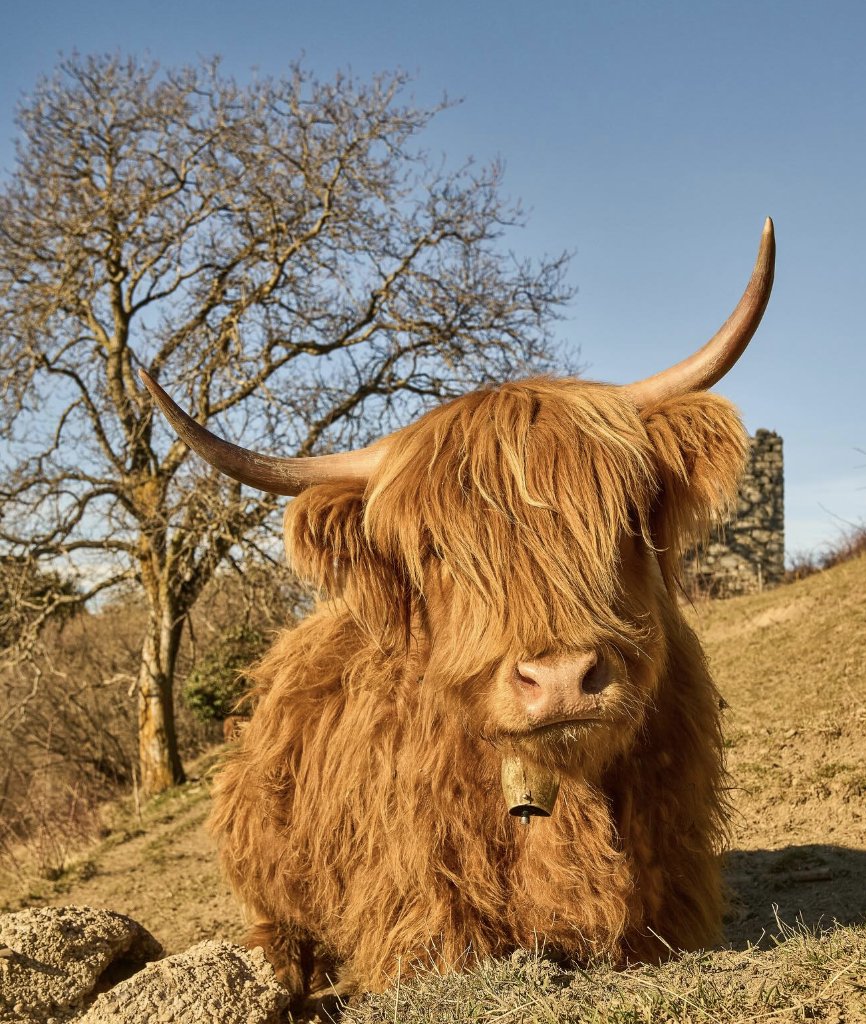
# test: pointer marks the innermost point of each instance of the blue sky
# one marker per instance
(650, 138)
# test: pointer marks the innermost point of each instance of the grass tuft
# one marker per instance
(808, 975)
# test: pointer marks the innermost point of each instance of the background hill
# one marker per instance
(791, 665)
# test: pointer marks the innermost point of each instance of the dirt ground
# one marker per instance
(791, 664)
(160, 869)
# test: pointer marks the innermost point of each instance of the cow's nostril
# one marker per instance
(596, 679)
(524, 675)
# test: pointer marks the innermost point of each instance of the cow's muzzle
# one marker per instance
(562, 688)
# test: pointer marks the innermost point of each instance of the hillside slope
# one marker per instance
(791, 664)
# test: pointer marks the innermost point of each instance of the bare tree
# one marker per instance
(283, 257)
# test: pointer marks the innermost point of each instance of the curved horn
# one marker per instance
(265, 472)
(709, 364)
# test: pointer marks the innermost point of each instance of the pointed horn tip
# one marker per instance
(157, 393)
(767, 248)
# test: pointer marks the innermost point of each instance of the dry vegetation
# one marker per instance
(791, 664)
(67, 725)
(850, 544)
(807, 977)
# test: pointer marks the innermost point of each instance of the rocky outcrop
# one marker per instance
(52, 960)
(67, 964)
(211, 983)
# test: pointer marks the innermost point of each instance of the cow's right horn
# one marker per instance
(265, 472)
(707, 366)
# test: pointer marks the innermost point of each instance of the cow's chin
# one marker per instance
(581, 748)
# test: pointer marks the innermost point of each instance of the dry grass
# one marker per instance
(153, 862)
(68, 715)
(791, 657)
(808, 976)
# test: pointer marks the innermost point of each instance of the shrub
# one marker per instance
(851, 544)
(217, 684)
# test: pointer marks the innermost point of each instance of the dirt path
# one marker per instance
(161, 871)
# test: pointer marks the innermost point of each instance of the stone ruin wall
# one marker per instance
(748, 552)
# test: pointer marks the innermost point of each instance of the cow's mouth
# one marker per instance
(555, 731)
(563, 725)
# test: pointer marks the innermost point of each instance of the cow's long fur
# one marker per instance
(361, 820)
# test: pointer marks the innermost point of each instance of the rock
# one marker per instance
(211, 982)
(55, 957)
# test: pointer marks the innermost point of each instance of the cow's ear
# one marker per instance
(324, 534)
(327, 546)
(700, 447)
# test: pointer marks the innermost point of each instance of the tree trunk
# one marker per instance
(159, 759)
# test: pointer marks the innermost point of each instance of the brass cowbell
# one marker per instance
(530, 791)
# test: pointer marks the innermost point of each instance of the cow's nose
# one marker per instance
(562, 688)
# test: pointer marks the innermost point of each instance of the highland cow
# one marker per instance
(501, 609)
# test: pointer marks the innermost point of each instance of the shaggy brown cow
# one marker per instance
(501, 589)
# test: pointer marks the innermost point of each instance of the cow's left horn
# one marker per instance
(709, 364)
(265, 472)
